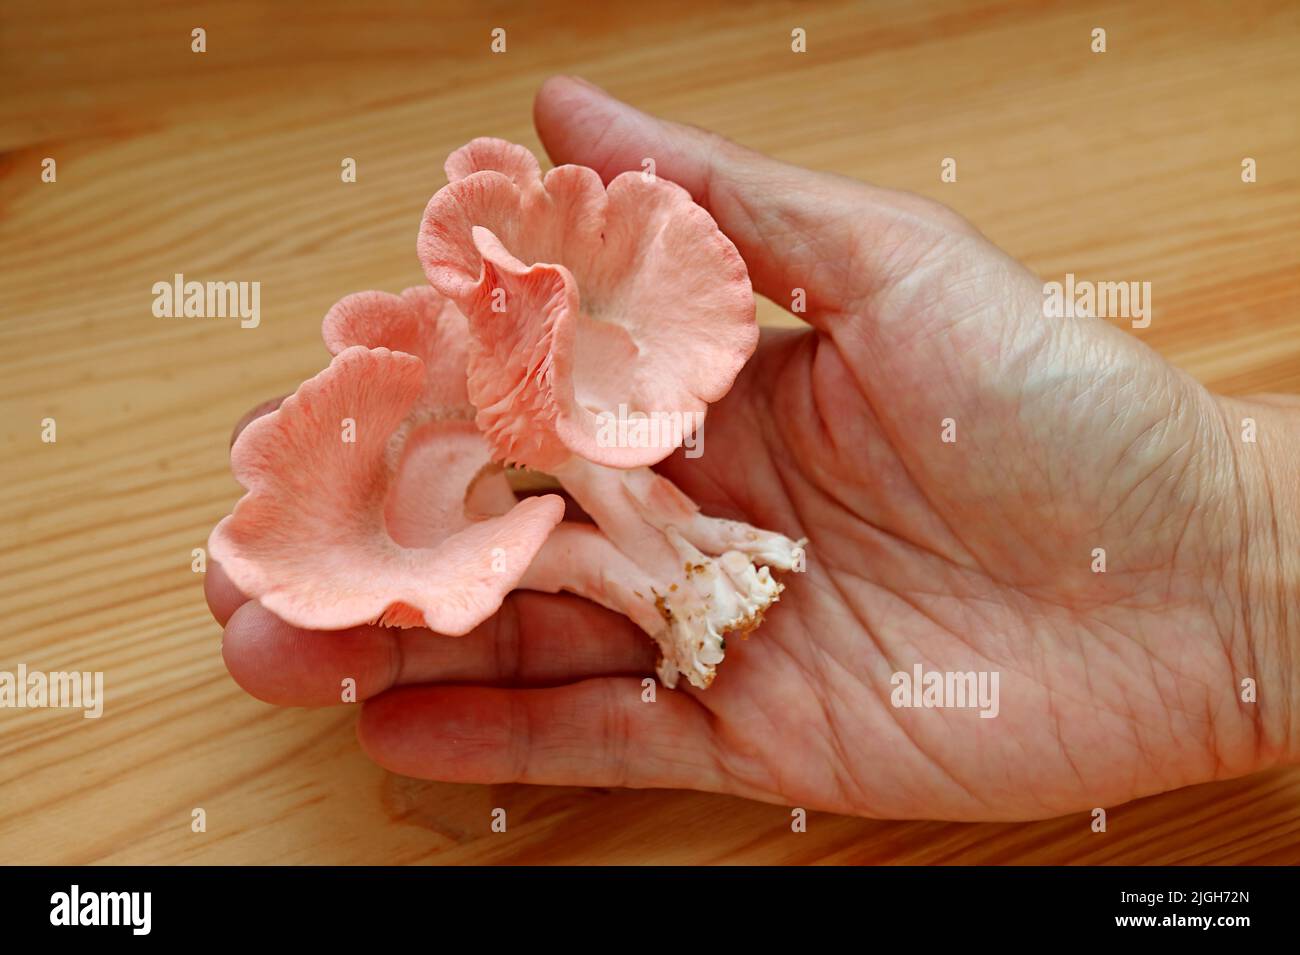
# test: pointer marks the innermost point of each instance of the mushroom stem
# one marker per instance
(706, 576)
(579, 559)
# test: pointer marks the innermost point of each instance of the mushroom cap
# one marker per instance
(419, 322)
(334, 533)
(587, 304)
(422, 323)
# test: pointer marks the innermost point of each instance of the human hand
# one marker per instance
(970, 555)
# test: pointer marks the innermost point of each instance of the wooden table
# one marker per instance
(226, 165)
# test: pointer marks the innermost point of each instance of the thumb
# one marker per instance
(838, 239)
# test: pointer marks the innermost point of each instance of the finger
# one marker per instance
(594, 733)
(289, 666)
(224, 598)
(534, 639)
(795, 228)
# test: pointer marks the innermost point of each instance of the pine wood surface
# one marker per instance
(225, 165)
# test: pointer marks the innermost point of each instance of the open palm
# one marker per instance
(961, 466)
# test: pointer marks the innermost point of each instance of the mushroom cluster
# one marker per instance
(569, 327)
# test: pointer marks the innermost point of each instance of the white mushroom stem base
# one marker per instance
(684, 578)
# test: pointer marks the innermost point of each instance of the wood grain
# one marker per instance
(226, 165)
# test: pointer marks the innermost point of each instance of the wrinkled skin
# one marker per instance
(975, 554)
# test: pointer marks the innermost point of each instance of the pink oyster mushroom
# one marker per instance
(575, 557)
(591, 305)
(369, 490)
